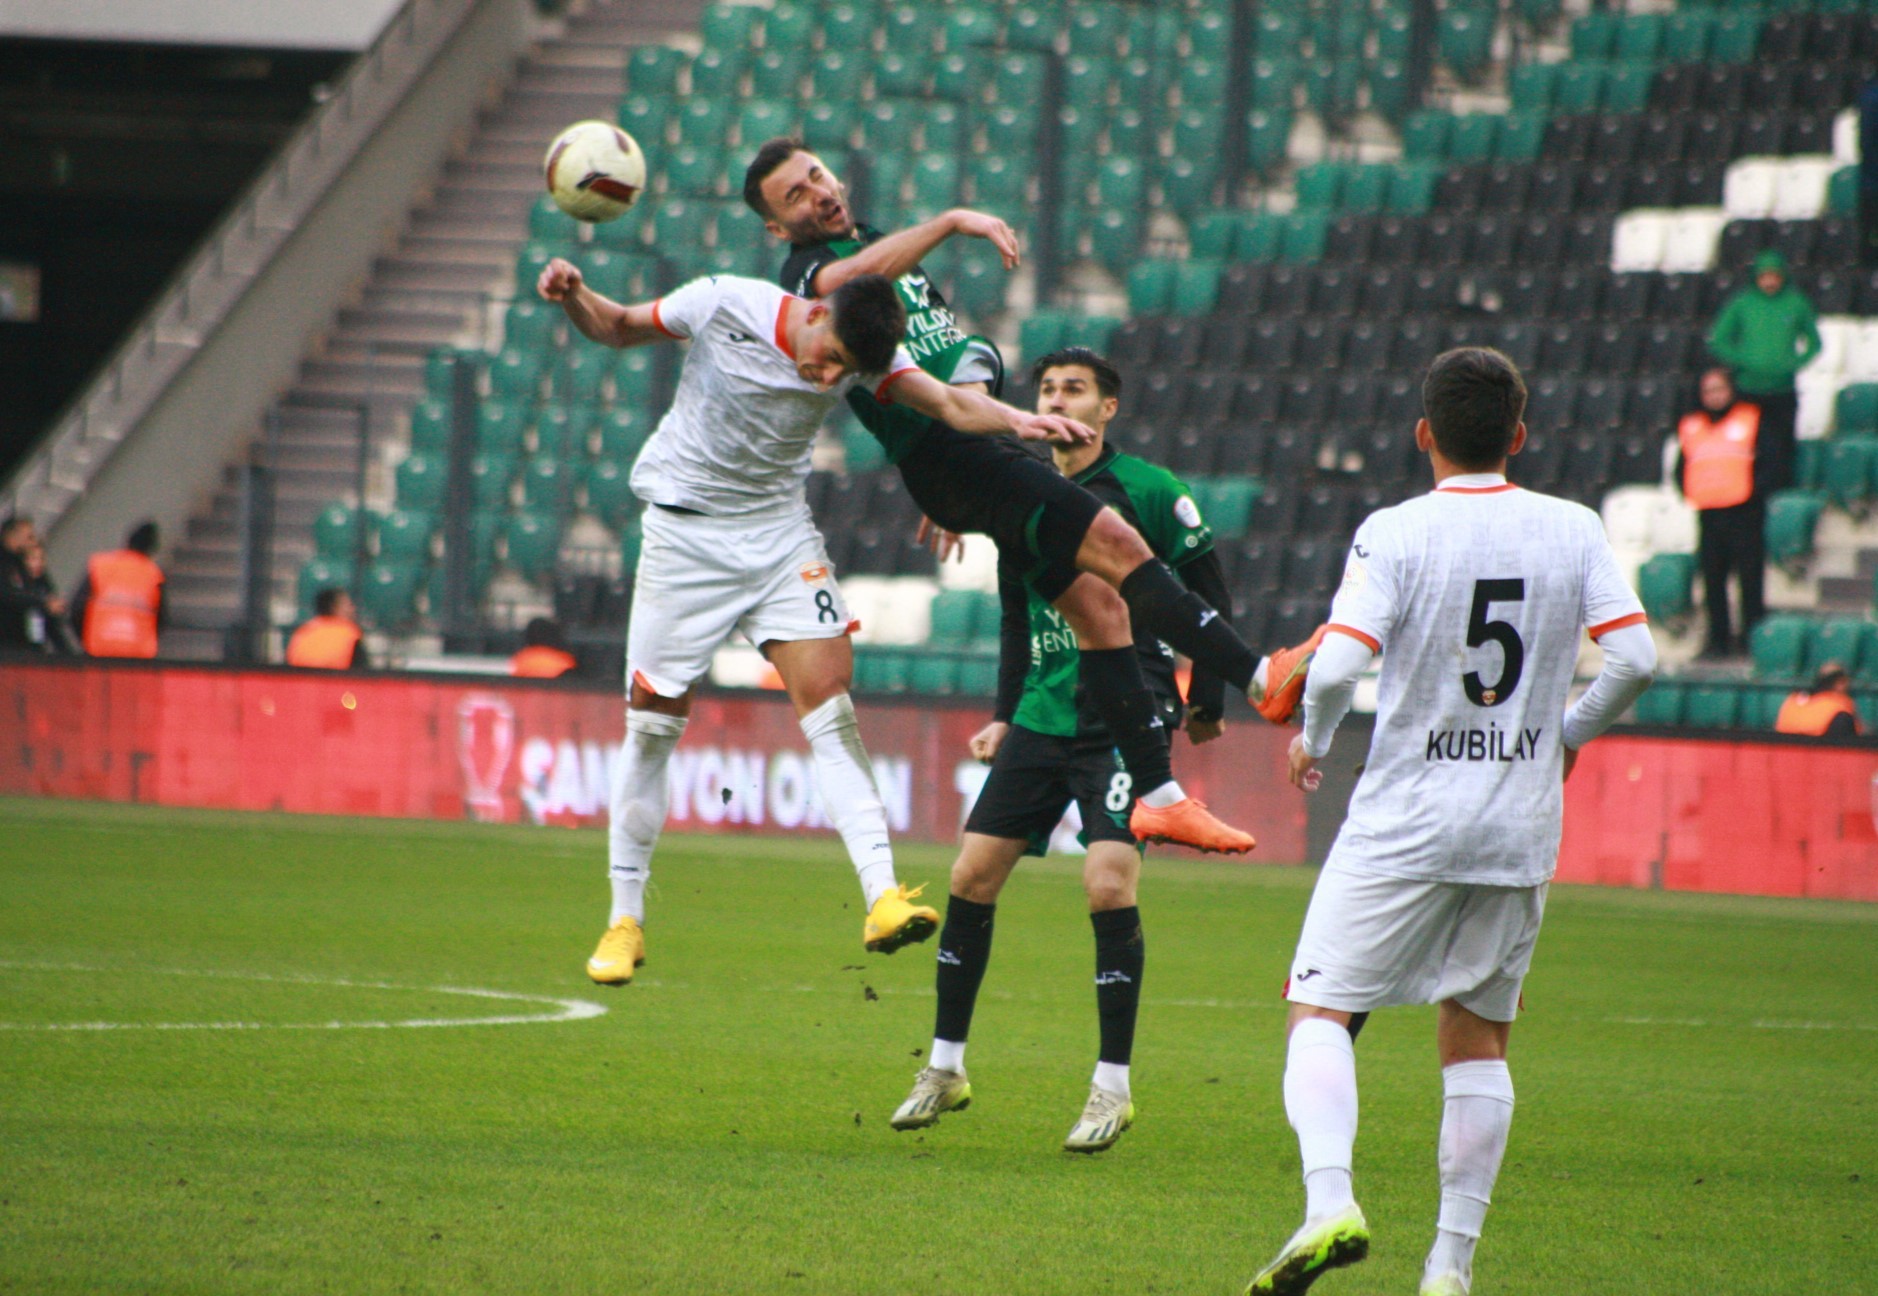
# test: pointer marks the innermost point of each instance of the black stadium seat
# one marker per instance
(1554, 187)
(1274, 342)
(1385, 293)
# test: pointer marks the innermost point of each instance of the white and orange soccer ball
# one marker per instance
(595, 171)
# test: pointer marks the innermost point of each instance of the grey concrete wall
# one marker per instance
(169, 466)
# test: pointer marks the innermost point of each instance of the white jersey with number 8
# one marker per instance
(1475, 594)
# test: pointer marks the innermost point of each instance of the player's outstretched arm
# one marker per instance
(898, 253)
(601, 319)
(973, 411)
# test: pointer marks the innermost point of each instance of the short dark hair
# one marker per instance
(543, 632)
(1108, 379)
(326, 602)
(870, 320)
(1831, 675)
(142, 538)
(1473, 398)
(771, 155)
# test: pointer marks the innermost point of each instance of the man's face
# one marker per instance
(33, 559)
(807, 203)
(821, 359)
(1071, 391)
(1717, 393)
(345, 609)
(19, 537)
(1770, 281)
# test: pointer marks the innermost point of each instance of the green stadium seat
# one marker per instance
(547, 485)
(1849, 641)
(828, 128)
(978, 676)
(1686, 36)
(728, 26)
(1213, 234)
(1151, 287)
(1846, 473)
(533, 541)
(1304, 236)
(337, 532)
(1196, 288)
(1138, 81)
(549, 224)
(1274, 83)
(1711, 706)
(954, 618)
(944, 129)
(1395, 35)
(1366, 187)
(978, 288)
(653, 70)
(718, 73)
(1209, 32)
(1261, 237)
(623, 433)
(319, 574)
(609, 496)
(1412, 187)
(788, 26)
(440, 365)
(1389, 89)
(934, 674)
(936, 180)
(704, 122)
(404, 535)
(1131, 132)
(1092, 331)
(1189, 184)
(516, 374)
(848, 27)
(1196, 132)
(695, 172)
(1320, 185)
(1520, 138)
(762, 119)
(1842, 192)
(900, 76)
(1042, 333)
(1425, 135)
(1227, 504)
(501, 426)
(1734, 37)
(1202, 83)
(1114, 237)
(961, 76)
(1627, 87)
(1094, 31)
(581, 372)
(1268, 138)
(1464, 42)
(1666, 584)
(1473, 137)
(1594, 36)
(421, 482)
(966, 26)
(1532, 85)
(889, 126)
(1791, 519)
(1640, 38)
(882, 670)
(490, 477)
(998, 183)
(1332, 86)
(1579, 88)
(632, 378)
(1662, 704)
(913, 28)
(388, 592)
(529, 323)
(431, 425)
(644, 118)
(1778, 647)
(1017, 81)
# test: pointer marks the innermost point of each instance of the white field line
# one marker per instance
(564, 1009)
(1763, 1023)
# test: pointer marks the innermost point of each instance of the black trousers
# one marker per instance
(1733, 540)
(1773, 446)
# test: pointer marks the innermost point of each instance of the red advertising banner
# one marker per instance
(429, 747)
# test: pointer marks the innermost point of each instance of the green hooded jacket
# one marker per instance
(1765, 339)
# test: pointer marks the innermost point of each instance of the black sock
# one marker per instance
(1120, 954)
(964, 950)
(1174, 614)
(1112, 679)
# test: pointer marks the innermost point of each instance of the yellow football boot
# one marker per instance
(622, 949)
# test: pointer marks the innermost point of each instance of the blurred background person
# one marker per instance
(118, 605)
(1721, 468)
(331, 639)
(1826, 710)
(1766, 333)
(544, 653)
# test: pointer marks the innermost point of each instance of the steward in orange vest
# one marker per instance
(118, 606)
(330, 641)
(544, 653)
(1827, 711)
(1718, 470)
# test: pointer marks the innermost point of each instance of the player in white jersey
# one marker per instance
(1475, 594)
(729, 545)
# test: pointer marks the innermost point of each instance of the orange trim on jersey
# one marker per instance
(659, 324)
(782, 334)
(645, 684)
(1366, 640)
(880, 392)
(854, 627)
(1476, 490)
(1635, 618)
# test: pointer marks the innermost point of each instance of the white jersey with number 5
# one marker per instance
(1475, 594)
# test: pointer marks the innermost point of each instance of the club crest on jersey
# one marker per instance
(1488, 697)
(1187, 511)
(815, 573)
(1354, 574)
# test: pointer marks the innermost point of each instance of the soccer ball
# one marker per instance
(595, 171)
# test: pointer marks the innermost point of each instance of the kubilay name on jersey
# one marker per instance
(1488, 744)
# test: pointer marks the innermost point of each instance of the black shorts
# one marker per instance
(1036, 777)
(992, 486)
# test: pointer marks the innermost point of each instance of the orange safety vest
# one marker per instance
(121, 615)
(1810, 713)
(541, 663)
(324, 643)
(1718, 456)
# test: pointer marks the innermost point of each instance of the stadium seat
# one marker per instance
(1851, 642)
(490, 478)
(609, 497)
(1531, 86)
(1425, 135)
(388, 592)
(501, 426)
(404, 536)
(1304, 236)
(1626, 87)
(1666, 584)
(421, 482)
(955, 616)
(788, 26)
(1791, 519)
(1268, 137)
(1579, 87)
(1779, 645)
(1151, 287)
(1662, 704)
(1464, 41)
(340, 531)
(1711, 706)
(533, 541)
(644, 118)
(653, 70)
(933, 673)
(718, 73)
(633, 377)
(431, 425)
(1472, 137)
(547, 485)
(316, 575)
(1846, 471)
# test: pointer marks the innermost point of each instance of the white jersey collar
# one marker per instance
(1474, 482)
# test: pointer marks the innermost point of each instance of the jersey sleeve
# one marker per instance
(1177, 529)
(1368, 602)
(683, 311)
(1609, 602)
(804, 263)
(880, 386)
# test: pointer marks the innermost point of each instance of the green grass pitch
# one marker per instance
(1697, 1077)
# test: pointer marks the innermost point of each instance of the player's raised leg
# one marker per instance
(1110, 873)
(817, 673)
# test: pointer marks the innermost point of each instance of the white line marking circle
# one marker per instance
(564, 1009)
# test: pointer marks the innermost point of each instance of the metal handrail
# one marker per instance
(199, 297)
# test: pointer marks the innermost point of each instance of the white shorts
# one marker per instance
(700, 578)
(1371, 941)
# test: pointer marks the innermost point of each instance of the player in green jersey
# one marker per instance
(1048, 750)
(1081, 556)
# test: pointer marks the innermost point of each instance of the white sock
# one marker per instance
(1475, 1118)
(642, 794)
(1262, 674)
(849, 793)
(1320, 1100)
(1169, 793)
(948, 1055)
(1112, 1076)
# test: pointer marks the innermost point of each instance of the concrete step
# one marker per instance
(470, 226)
(1842, 593)
(434, 276)
(491, 254)
(563, 77)
(490, 203)
(467, 301)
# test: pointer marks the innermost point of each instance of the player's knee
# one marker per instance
(1097, 614)
(1114, 541)
(974, 883)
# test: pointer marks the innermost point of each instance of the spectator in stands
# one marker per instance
(1826, 710)
(1719, 454)
(32, 615)
(118, 605)
(331, 639)
(544, 653)
(1766, 333)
